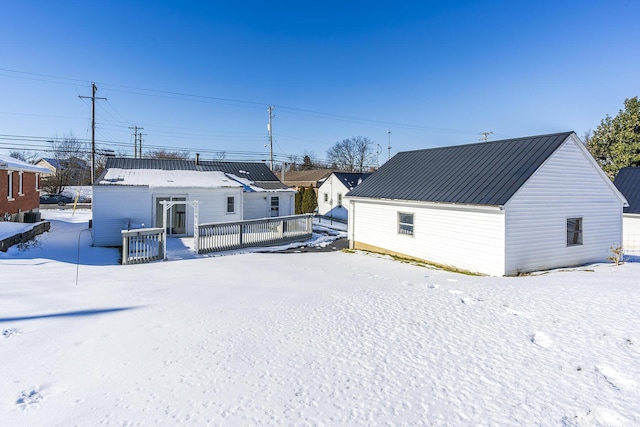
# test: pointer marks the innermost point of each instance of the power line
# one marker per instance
(253, 104)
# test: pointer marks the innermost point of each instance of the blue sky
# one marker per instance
(199, 76)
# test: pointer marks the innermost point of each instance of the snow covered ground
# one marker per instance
(329, 339)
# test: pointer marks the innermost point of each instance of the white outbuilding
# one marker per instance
(498, 208)
(129, 192)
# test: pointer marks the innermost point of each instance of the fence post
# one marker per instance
(125, 249)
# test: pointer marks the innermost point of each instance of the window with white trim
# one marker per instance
(20, 188)
(405, 223)
(326, 197)
(231, 204)
(37, 182)
(574, 231)
(10, 186)
(339, 199)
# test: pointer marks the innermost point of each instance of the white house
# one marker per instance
(332, 191)
(130, 191)
(498, 208)
(628, 182)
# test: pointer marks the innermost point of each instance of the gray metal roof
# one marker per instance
(253, 171)
(487, 173)
(628, 183)
(351, 179)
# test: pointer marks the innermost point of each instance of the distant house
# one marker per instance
(311, 178)
(19, 188)
(129, 192)
(498, 208)
(75, 170)
(628, 182)
(332, 191)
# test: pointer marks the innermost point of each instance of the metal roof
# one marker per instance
(628, 183)
(486, 173)
(253, 171)
(351, 179)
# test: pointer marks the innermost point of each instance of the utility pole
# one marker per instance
(135, 140)
(389, 146)
(93, 129)
(140, 144)
(270, 109)
(485, 136)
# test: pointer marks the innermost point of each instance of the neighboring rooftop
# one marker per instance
(312, 178)
(352, 179)
(628, 183)
(257, 173)
(486, 173)
(253, 171)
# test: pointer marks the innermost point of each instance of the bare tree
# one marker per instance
(351, 154)
(165, 154)
(23, 155)
(70, 167)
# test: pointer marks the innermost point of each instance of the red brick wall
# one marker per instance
(30, 198)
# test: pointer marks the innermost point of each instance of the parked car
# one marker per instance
(55, 199)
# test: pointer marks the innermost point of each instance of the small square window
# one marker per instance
(574, 231)
(231, 204)
(405, 223)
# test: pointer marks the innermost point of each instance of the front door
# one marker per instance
(176, 216)
(275, 206)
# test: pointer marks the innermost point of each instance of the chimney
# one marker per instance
(197, 159)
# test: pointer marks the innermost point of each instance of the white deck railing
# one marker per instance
(224, 236)
(142, 245)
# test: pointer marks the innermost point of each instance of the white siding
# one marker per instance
(332, 187)
(567, 185)
(258, 205)
(631, 233)
(212, 206)
(466, 237)
(113, 207)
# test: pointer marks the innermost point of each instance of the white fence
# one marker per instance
(142, 245)
(259, 232)
(149, 244)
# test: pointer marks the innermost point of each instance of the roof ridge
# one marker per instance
(444, 147)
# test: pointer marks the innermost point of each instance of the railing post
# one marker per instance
(125, 249)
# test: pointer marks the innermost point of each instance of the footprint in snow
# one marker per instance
(600, 417)
(513, 312)
(12, 332)
(432, 286)
(541, 340)
(29, 398)
(617, 380)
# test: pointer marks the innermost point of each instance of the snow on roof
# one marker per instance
(9, 163)
(265, 186)
(167, 178)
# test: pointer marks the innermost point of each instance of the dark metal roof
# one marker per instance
(487, 173)
(628, 183)
(253, 171)
(351, 179)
